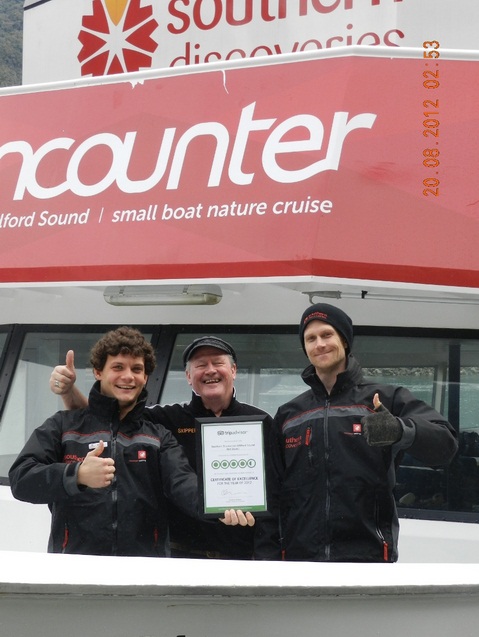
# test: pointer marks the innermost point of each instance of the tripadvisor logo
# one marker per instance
(116, 38)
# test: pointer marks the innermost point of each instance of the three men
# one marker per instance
(334, 449)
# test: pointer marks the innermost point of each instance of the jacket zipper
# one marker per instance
(381, 537)
(327, 547)
(65, 538)
(307, 442)
(114, 497)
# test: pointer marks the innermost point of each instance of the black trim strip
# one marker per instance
(466, 517)
(33, 4)
(12, 350)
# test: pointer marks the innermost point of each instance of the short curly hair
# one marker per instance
(124, 340)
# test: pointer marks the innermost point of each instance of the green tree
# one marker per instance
(11, 42)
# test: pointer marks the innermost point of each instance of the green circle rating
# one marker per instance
(243, 463)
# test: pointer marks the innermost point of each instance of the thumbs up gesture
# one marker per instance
(96, 472)
(63, 377)
(381, 428)
(62, 382)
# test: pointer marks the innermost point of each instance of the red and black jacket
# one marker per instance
(333, 493)
(130, 516)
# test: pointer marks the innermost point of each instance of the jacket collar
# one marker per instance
(108, 407)
(352, 375)
(199, 408)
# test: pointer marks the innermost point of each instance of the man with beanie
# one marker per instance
(336, 447)
(210, 367)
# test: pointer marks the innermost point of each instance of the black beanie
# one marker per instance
(331, 315)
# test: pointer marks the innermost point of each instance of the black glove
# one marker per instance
(381, 428)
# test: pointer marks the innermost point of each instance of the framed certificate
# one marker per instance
(231, 465)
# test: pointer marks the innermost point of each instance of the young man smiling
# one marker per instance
(336, 447)
(106, 471)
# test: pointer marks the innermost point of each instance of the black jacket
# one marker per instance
(130, 516)
(332, 491)
(197, 538)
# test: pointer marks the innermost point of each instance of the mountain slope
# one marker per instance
(11, 41)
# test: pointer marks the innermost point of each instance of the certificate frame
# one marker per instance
(231, 464)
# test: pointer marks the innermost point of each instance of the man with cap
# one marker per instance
(335, 449)
(210, 367)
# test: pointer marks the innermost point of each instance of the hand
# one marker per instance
(96, 472)
(235, 518)
(381, 428)
(63, 377)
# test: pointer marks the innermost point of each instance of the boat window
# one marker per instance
(442, 370)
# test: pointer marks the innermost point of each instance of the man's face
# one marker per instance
(211, 374)
(325, 348)
(123, 378)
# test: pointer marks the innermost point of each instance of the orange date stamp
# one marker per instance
(431, 113)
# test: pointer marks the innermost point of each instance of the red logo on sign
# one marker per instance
(142, 455)
(116, 38)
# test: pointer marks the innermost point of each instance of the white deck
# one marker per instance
(59, 595)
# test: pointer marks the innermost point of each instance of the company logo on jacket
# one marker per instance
(293, 442)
